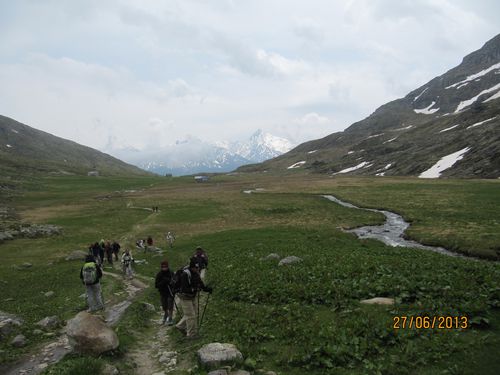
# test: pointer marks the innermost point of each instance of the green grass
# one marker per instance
(303, 318)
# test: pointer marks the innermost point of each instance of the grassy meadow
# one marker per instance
(301, 318)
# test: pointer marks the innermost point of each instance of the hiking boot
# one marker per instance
(170, 322)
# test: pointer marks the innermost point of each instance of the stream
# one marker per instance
(391, 232)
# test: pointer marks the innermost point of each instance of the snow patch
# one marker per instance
(364, 164)
(14, 131)
(496, 96)
(451, 127)
(390, 140)
(468, 102)
(419, 95)
(427, 110)
(444, 163)
(8, 146)
(405, 128)
(481, 123)
(350, 152)
(380, 174)
(312, 152)
(375, 135)
(297, 165)
(476, 75)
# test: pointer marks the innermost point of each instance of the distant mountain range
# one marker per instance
(193, 155)
(449, 127)
(25, 150)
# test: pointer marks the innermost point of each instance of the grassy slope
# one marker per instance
(292, 319)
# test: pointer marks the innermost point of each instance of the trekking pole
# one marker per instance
(173, 296)
(204, 309)
(198, 315)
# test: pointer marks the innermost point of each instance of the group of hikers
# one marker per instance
(143, 244)
(181, 289)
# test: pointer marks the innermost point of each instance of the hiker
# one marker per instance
(96, 253)
(170, 239)
(149, 241)
(116, 249)
(127, 260)
(109, 253)
(164, 283)
(91, 275)
(202, 259)
(140, 244)
(189, 284)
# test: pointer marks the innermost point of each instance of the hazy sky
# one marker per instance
(146, 73)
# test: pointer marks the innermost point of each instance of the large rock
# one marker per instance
(77, 255)
(8, 323)
(216, 354)
(90, 335)
(378, 301)
(289, 260)
(49, 322)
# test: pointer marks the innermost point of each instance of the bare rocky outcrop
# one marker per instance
(90, 335)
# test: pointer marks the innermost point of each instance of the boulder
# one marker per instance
(77, 255)
(89, 334)
(8, 323)
(19, 341)
(289, 260)
(49, 322)
(378, 301)
(272, 256)
(215, 354)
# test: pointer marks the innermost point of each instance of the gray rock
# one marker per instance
(88, 334)
(149, 306)
(215, 354)
(49, 322)
(378, 301)
(272, 256)
(77, 255)
(49, 294)
(37, 332)
(218, 372)
(8, 323)
(109, 370)
(167, 356)
(289, 260)
(19, 341)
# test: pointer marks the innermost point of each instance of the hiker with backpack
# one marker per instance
(127, 260)
(116, 249)
(91, 275)
(170, 239)
(108, 250)
(188, 283)
(164, 282)
(96, 253)
(202, 259)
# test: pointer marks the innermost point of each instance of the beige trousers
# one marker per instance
(188, 321)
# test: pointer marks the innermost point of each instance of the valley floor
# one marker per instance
(304, 317)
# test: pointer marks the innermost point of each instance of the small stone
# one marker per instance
(110, 370)
(216, 354)
(49, 322)
(50, 293)
(9, 299)
(272, 256)
(149, 306)
(239, 372)
(167, 356)
(26, 265)
(43, 366)
(37, 332)
(289, 260)
(378, 301)
(218, 372)
(19, 341)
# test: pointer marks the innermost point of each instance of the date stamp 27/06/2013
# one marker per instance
(430, 322)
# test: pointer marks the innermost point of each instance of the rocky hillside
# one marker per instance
(448, 127)
(25, 150)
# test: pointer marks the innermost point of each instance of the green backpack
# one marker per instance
(89, 273)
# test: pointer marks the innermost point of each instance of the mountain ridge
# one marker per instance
(456, 110)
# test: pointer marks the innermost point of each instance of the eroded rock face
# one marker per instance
(90, 335)
(289, 260)
(216, 354)
(378, 301)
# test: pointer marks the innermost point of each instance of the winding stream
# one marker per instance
(391, 232)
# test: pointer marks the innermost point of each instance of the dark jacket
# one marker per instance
(201, 259)
(190, 284)
(98, 269)
(164, 282)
